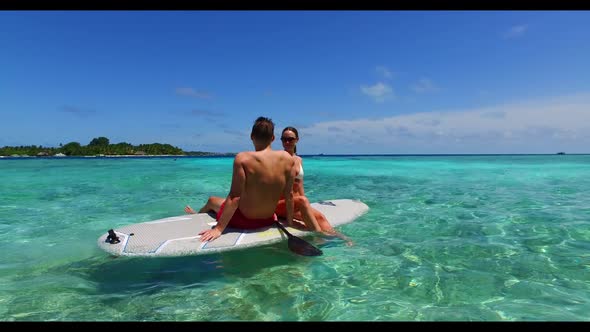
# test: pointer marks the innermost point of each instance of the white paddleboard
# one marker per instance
(178, 236)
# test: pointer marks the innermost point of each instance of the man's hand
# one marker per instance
(210, 235)
(298, 225)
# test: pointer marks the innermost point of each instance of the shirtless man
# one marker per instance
(259, 179)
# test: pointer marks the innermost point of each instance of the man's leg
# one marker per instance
(213, 204)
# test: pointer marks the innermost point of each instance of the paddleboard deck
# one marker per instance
(178, 236)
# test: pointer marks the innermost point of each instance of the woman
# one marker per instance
(303, 209)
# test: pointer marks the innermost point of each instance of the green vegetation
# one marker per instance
(98, 146)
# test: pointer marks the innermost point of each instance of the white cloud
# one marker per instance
(535, 126)
(379, 92)
(192, 93)
(216, 140)
(383, 71)
(543, 126)
(516, 31)
(424, 85)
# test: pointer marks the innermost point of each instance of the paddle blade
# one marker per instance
(302, 247)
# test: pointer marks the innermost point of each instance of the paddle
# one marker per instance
(298, 245)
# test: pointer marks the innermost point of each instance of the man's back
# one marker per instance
(267, 173)
(259, 179)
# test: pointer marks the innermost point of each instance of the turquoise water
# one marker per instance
(461, 238)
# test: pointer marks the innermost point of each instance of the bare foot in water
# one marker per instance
(334, 233)
(189, 210)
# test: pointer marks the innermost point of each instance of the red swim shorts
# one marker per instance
(238, 220)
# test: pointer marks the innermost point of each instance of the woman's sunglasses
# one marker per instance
(288, 139)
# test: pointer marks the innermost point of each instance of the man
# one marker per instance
(259, 179)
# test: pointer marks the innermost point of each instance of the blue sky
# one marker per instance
(352, 82)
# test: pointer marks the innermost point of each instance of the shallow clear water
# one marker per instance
(462, 238)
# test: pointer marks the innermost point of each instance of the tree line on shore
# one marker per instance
(98, 146)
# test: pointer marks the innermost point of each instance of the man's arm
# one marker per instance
(232, 201)
(288, 192)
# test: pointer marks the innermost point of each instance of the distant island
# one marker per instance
(102, 147)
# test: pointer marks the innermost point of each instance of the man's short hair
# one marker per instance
(263, 129)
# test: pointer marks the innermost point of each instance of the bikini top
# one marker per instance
(300, 174)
